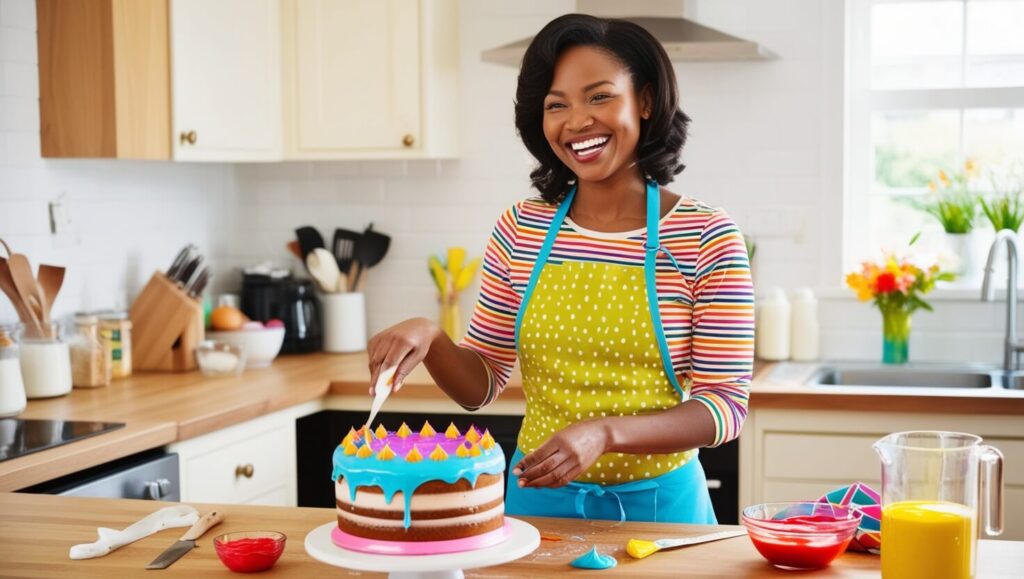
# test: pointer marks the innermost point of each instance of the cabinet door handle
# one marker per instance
(245, 470)
(408, 140)
(714, 483)
(189, 137)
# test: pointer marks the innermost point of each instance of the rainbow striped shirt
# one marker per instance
(707, 305)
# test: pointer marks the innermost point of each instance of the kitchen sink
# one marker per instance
(912, 375)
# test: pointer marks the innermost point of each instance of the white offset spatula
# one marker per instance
(385, 382)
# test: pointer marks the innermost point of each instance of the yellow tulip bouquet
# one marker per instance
(451, 276)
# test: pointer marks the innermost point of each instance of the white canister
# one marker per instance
(344, 322)
(12, 387)
(803, 342)
(772, 335)
(45, 363)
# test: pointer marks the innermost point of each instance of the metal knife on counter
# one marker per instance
(187, 541)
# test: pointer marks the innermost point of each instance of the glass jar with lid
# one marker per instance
(12, 387)
(90, 357)
(45, 361)
(116, 332)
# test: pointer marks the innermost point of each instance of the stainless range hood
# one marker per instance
(684, 40)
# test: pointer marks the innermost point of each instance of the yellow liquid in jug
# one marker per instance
(927, 540)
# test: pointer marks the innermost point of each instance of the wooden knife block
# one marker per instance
(167, 325)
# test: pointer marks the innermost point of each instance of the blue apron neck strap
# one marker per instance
(542, 256)
(651, 248)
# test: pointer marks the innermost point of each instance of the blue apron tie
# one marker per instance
(583, 489)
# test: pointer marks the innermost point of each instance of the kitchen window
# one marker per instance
(930, 84)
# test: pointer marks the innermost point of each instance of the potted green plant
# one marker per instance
(1003, 207)
(951, 200)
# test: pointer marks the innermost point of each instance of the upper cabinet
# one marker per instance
(248, 80)
(370, 78)
(226, 71)
(104, 81)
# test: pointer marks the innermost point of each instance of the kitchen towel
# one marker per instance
(110, 539)
(869, 534)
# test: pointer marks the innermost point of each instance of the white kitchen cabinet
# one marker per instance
(226, 80)
(800, 455)
(248, 463)
(370, 78)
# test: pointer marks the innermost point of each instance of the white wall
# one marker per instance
(766, 144)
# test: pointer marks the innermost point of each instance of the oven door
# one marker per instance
(152, 476)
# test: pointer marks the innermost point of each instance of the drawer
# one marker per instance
(211, 476)
(844, 458)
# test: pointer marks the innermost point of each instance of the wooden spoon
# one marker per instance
(30, 292)
(8, 287)
(50, 278)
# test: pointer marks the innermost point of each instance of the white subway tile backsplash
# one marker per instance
(18, 14)
(20, 80)
(17, 45)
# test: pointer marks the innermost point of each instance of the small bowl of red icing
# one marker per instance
(800, 535)
(249, 551)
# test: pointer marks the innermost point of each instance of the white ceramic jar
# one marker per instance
(772, 330)
(804, 333)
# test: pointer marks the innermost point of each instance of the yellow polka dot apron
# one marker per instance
(590, 344)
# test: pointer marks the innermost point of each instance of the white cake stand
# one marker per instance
(523, 539)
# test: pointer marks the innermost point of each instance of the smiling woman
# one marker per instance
(628, 307)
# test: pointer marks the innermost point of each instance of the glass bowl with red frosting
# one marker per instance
(801, 535)
(249, 551)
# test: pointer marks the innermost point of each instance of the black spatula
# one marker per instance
(344, 248)
(309, 239)
(370, 249)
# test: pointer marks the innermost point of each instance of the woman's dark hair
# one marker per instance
(661, 136)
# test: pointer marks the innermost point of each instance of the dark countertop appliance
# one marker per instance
(290, 300)
(19, 436)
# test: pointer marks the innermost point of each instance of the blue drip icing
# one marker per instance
(397, 474)
(594, 560)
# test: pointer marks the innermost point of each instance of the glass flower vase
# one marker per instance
(895, 336)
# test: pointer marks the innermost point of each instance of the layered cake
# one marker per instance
(419, 486)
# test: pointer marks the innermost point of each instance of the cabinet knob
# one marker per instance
(245, 470)
(155, 490)
(408, 140)
(189, 137)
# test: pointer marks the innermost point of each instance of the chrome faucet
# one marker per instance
(1012, 347)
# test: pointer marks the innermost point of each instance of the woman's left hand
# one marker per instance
(564, 456)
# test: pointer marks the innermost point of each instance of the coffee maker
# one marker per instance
(290, 300)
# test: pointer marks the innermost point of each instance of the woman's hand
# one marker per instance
(564, 456)
(404, 345)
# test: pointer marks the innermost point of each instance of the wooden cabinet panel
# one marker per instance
(226, 71)
(370, 78)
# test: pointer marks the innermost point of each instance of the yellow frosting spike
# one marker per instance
(427, 430)
(403, 431)
(350, 449)
(438, 453)
(487, 441)
(473, 435)
(386, 453)
(452, 432)
(462, 451)
(474, 450)
(414, 455)
(365, 451)
(381, 431)
(350, 437)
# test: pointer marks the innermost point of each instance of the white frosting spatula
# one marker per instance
(385, 382)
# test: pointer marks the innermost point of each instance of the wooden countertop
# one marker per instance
(161, 408)
(38, 530)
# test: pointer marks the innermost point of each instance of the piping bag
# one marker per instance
(110, 539)
(385, 382)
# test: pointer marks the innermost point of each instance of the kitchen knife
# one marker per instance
(187, 541)
(179, 261)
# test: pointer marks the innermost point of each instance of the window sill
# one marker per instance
(945, 294)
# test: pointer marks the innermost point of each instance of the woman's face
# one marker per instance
(592, 114)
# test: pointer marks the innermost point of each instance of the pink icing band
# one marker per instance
(377, 547)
